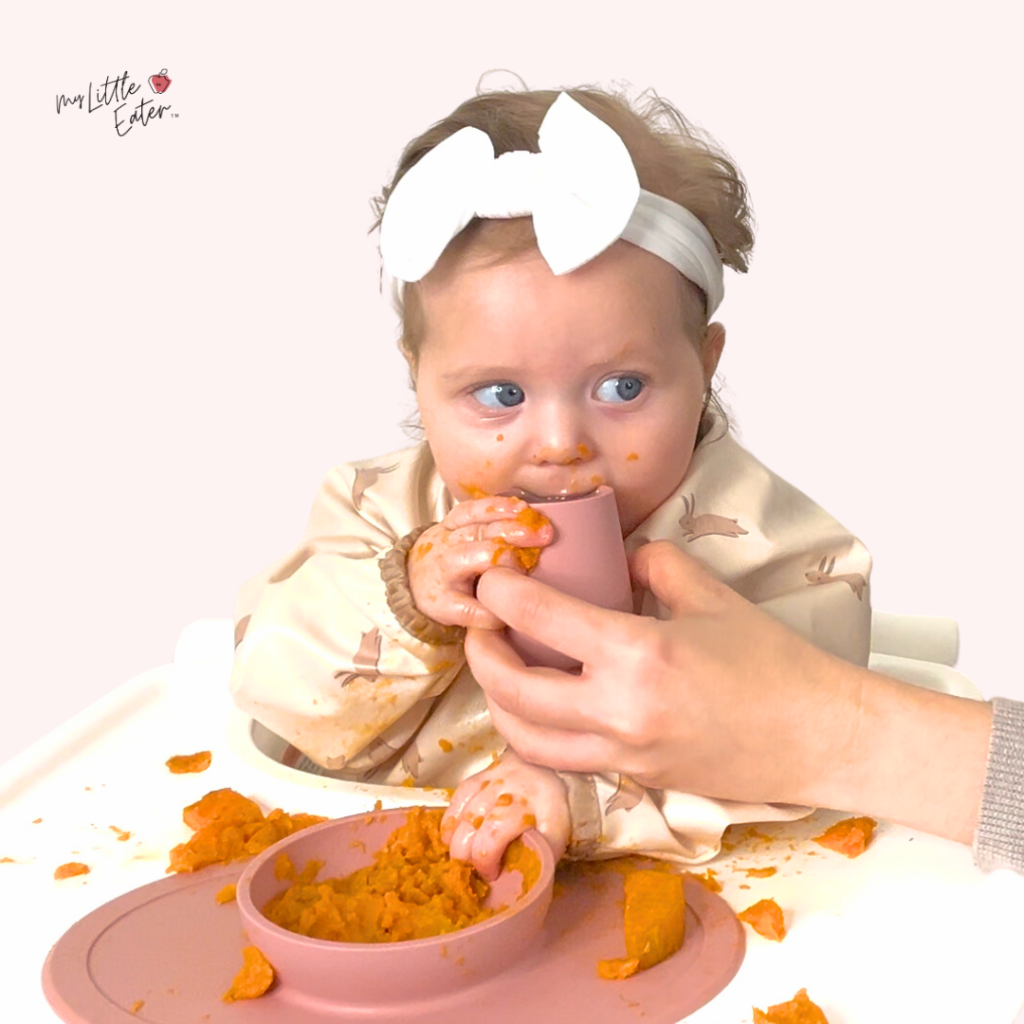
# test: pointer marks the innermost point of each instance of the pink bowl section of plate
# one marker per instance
(353, 974)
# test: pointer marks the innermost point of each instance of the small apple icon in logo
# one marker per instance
(159, 83)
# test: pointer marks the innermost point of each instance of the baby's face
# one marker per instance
(554, 385)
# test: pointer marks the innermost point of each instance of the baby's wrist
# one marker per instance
(584, 815)
(394, 571)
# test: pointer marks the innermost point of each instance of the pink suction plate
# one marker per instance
(171, 946)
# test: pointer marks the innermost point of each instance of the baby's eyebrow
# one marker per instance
(480, 373)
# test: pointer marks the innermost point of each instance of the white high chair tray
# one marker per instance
(909, 931)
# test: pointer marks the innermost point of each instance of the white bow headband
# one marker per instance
(581, 189)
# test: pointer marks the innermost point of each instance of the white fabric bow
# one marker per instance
(581, 189)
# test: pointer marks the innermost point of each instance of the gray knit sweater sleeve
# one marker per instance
(999, 838)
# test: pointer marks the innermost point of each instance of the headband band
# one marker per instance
(581, 190)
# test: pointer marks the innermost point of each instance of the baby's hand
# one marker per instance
(497, 805)
(446, 560)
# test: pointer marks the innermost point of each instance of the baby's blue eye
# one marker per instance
(619, 389)
(499, 396)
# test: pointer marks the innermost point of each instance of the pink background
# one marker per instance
(193, 332)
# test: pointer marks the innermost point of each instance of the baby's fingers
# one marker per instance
(465, 563)
(483, 510)
(466, 791)
(492, 839)
(461, 845)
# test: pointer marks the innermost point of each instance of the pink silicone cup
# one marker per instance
(353, 974)
(586, 559)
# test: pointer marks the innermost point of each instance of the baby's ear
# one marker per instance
(711, 350)
(411, 361)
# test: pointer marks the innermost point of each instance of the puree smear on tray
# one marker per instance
(229, 826)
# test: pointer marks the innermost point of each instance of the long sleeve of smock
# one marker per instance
(320, 658)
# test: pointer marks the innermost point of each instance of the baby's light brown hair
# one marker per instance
(672, 159)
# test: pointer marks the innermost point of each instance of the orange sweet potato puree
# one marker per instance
(184, 764)
(413, 890)
(766, 918)
(229, 826)
(69, 870)
(799, 1010)
(849, 837)
(253, 980)
(654, 923)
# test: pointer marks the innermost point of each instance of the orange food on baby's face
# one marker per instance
(185, 764)
(849, 837)
(253, 980)
(766, 918)
(413, 890)
(799, 1010)
(229, 827)
(655, 923)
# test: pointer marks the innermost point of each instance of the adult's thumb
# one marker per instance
(678, 580)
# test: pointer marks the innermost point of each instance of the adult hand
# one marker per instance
(724, 701)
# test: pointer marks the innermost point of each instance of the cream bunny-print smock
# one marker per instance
(322, 661)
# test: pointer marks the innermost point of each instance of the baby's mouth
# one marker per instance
(539, 499)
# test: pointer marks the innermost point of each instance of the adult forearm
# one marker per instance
(912, 756)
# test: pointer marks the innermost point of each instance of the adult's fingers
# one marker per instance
(676, 579)
(566, 623)
(563, 750)
(537, 694)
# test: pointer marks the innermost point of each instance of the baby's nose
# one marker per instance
(560, 437)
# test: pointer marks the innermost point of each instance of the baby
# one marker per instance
(556, 260)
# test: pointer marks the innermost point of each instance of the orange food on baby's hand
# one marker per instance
(799, 1010)
(849, 837)
(519, 857)
(526, 558)
(255, 977)
(183, 764)
(655, 921)
(765, 917)
(71, 869)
